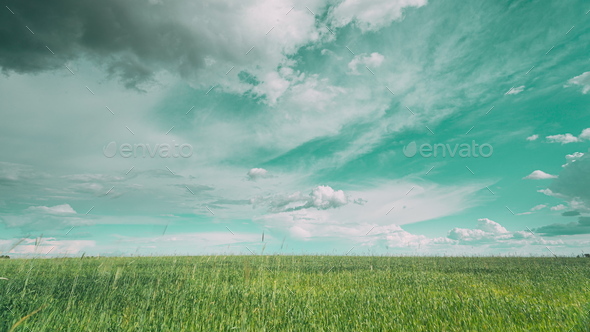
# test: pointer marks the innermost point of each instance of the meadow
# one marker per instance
(295, 293)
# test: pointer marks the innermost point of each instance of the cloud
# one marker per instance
(370, 15)
(257, 173)
(487, 231)
(393, 236)
(533, 209)
(532, 137)
(515, 91)
(58, 209)
(360, 201)
(548, 192)
(570, 213)
(135, 40)
(324, 197)
(569, 138)
(50, 245)
(321, 198)
(572, 158)
(573, 183)
(585, 134)
(562, 138)
(40, 218)
(539, 175)
(558, 207)
(299, 232)
(372, 61)
(582, 80)
(491, 226)
(582, 226)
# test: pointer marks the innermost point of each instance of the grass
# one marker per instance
(295, 293)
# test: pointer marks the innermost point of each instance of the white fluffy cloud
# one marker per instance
(486, 230)
(562, 138)
(370, 15)
(569, 138)
(324, 197)
(585, 135)
(539, 175)
(582, 80)
(532, 137)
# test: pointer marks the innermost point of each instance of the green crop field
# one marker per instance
(295, 293)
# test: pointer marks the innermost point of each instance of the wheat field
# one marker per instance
(295, 293)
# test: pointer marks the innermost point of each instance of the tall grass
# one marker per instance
(295, 293)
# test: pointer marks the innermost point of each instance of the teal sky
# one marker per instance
(295, 119)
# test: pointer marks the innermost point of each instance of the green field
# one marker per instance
(295, 293)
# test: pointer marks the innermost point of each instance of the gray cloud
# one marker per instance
(132, 39)
(570, 213)
(582, 226)
(573, 183)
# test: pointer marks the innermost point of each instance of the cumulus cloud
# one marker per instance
(569, 138)
(373, 60)
(532, 137)
(515, 91)
(487, 230)
(582, 80)
(321, 198)
(585, 134)
(539, 175)
(539, 207)
(324, 197)
(370, 15)
(562, 138)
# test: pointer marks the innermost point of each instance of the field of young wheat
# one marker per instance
(295, 293)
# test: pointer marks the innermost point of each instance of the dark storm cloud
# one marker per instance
(132, 39)
(582, 226)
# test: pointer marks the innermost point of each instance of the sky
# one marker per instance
(380, 127)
